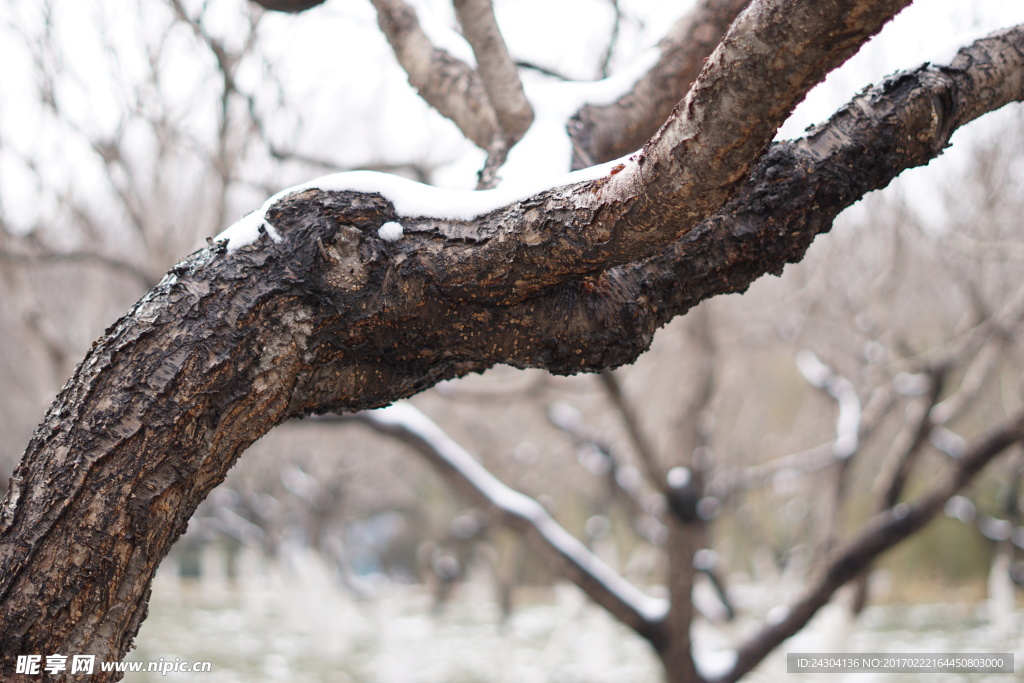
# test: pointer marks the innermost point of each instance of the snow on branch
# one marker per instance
(775, 54)
(842, 390)
(409, 198)
(570, 557)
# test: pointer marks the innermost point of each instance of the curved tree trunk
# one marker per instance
(333, 318)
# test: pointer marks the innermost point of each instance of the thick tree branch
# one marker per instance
(683, 488)
(799, 187)
(447, 84)
(705, 149)
(496, 69)
(685, 172)
(641, 446)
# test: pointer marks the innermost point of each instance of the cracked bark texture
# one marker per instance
(334, 319)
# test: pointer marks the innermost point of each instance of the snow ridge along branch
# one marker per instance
(774, 53)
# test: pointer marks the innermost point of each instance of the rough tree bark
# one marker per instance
(332, 318)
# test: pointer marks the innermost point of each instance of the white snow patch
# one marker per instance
(247, 230)
(390, 231)
(413, 199)
(947, 51)
(539, 162)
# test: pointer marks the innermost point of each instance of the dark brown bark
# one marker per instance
(603, 133)
(675, 648)
(334, 319)
(704, 151)
(687, 528)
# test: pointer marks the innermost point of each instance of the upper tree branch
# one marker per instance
(794, 194)
(498, 72)
(603, 133)
(798, 188)
(447, 84)
(772, 55)
(775, 52)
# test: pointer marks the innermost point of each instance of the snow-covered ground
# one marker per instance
(298, 625)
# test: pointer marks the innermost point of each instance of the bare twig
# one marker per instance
(894, 476)
(532, 66)
(144, 279)
(227, 63)
(1003, 322)
(974, 380)
(569, 421)
(613, 40)
(644, 450)
(691, 426)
